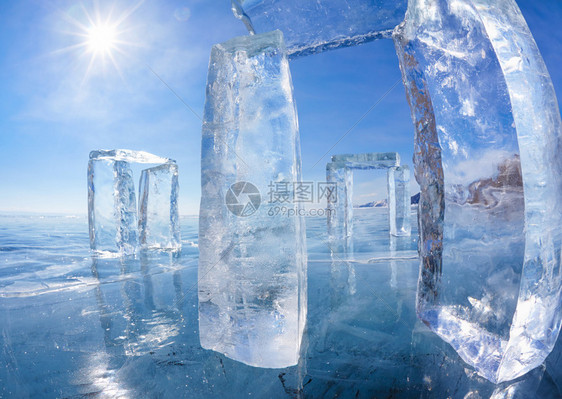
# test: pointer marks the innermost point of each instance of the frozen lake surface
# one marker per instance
(76, 327)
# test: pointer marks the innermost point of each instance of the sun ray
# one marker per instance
(87, 14)
(70, 48)
(88, 70)
(116, 66)
(109, 16)
(127, 13)
(73, 21)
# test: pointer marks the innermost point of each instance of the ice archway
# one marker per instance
(487, 144)
(340, 208)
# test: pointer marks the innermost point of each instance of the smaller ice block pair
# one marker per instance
(115, 225)
(340, 172)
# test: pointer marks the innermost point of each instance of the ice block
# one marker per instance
(314, 26)
(399, 200)
(158, 208)
(487, 159)
(340, 207)
(252, 263)
(112, 206)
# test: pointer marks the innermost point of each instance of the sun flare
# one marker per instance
(101, 39)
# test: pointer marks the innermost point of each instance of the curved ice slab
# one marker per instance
(487, 157)
(314, 26)
(112, 205)
(252, 262)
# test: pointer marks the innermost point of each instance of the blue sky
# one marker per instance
(55, 107)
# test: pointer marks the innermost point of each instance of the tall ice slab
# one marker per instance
(340, 206)
(252, 263)
(159, 226)
(399, 211)
(487, 158)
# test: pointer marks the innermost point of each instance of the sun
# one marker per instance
(101, 39)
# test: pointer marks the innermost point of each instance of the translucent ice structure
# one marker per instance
(399, 200)
(252, 262)
(159, 226)
(340, 206)
(370, 160)
(487, 158)
(112, 207)
(313, 26)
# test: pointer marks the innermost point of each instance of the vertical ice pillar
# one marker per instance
(340, 206)
(399, 200)
(252, 263)
(112, 207)
(158, 208)
(488, 139)
(348, 204)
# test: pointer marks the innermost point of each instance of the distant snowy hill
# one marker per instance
(384, 203)
(375, 204)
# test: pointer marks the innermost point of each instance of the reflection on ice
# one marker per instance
(132, 331)
(100, 379)
(149, 318)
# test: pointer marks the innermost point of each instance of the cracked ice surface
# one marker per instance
(488, 138)
(252, 267)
